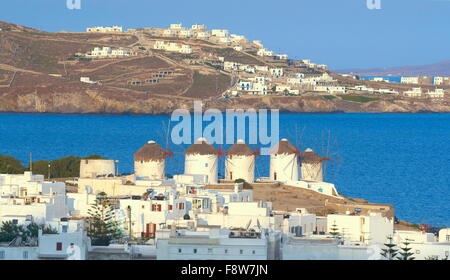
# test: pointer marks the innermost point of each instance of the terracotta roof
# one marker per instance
(150, 152)
(283, 147)
(201, 147)
(309, 156)
(240, 149)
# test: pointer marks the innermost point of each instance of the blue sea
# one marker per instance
(392, 79)
(401, 159)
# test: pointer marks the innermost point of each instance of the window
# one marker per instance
(64, 229)
(59, 246)
(25, 255)
(15, 221)
(447, 238)
(180, 251)
(241, 252)
(210, 250)
(226, 251)
(2, 255)
(195, 251)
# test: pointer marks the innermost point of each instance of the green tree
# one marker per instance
(405, 252)
(334, 231)
(9, 231)
(390, 251)
(33, 229)
(10, 165)
(102, 224)
(41, 167)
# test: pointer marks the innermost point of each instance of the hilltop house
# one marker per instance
(172, 47)
(414, 92)
(101, 29)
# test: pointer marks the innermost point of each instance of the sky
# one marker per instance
(341, 33)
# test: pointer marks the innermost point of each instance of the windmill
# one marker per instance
(314, 166)
(240, 162)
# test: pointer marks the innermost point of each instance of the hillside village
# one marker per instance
(271, 73)
(157, 70)
(196, 214)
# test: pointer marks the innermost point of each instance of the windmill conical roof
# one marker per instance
(283, 147)
(201, 147)
(150, 152)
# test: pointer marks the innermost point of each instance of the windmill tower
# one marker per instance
(311, 166)
(284, 162)
(201, 158)
(240, 163)
(150, 161)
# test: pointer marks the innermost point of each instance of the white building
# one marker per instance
(172, 47)
(254, 86)
(26, 194)
(277, 72)
(198, 27)
(437, 93)
(240, 163)
(93, 168)
(444, 235)
(362, 229)
(409, 80)
(185, 33)
(64, 246)
(104, 52)
(142, 217)
(414, 92)
(331, 89)
(264, 52)
(101, 29)
(87, 80)
(220, 32)
(441, 81)
(176, 26)
(217, 244)
(203, 35)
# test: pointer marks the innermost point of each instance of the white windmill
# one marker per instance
(284, 165)
(201, 158)
(240, 162)
(150, 161)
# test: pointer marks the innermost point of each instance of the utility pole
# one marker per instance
(31, 162)
(129, 221)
